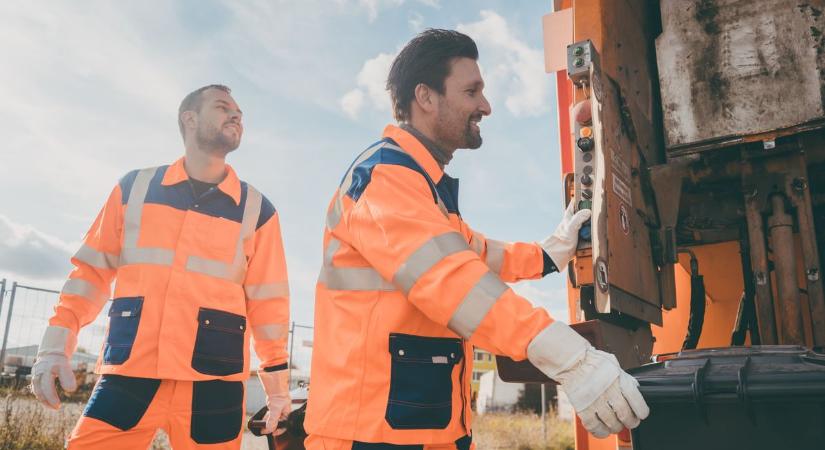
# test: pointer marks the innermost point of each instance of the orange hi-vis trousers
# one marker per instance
(124, 413)
(315, 442)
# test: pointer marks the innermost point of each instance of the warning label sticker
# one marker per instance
(621, 189)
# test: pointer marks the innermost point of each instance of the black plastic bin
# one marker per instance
(748, 398)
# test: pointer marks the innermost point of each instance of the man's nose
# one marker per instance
(485, 108)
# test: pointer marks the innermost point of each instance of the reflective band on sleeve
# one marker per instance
(335, 211)
(266, 291)
(495, 255)
(476, 304)
(134, 208)
(160, 256)
(82, 288)
(427, 256)
(94, 258)
(270, 332)
(477, 243)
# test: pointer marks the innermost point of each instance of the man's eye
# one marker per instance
(471, 92)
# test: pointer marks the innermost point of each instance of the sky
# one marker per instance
(90, 91)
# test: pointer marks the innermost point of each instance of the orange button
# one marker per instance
(586, 132)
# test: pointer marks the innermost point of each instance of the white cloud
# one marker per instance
(352, 102)
(371, 82)
(416, 21)
(512, 69)
(32, 254)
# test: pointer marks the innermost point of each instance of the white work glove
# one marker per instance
(561, 245)
(53, 362)
(278, 402)
(606, 398)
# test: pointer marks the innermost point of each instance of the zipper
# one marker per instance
(461, 382)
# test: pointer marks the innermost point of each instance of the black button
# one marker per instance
(586, 180)
(587, 194)
(588, 169)
(587, 157)
(585, 144)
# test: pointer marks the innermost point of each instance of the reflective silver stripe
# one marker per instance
(350, 278)
(78, 286)
(160, 256)
(476, 304)
(94, 258)
(134, 207)
(266, 291)
(477, 243)
(269, 332)
(236, 271)
(354, 279)
(334, 214)
(427, 256)
(215, 269)
(495, 254)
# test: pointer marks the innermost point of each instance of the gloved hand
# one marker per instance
(278, 402)
(606, 398)
(53, 362)
(561, 245)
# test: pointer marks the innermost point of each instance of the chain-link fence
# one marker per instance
(24, 316)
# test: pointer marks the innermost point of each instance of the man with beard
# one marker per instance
(408, 289)
(197, 259)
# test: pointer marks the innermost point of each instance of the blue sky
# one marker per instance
(90, 91)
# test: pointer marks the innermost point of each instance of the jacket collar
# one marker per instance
(415, 149)
(230, 185)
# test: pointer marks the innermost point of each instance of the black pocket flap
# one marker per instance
(433, 350)
(126, 307)
(215, 319)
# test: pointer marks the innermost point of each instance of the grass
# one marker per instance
(26, 425)
(521, 431)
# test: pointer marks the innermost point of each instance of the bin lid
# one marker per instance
(746, 373)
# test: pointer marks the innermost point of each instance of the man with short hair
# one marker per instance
(198, 262)
(407, 288)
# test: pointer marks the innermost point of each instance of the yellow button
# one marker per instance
(586, 132)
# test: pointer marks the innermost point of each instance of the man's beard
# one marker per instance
(214, 141)
(450, 133)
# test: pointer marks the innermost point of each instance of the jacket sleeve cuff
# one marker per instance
(549, 265)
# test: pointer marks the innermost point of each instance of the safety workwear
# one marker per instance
(605, 397)
(278, 401)
(407, 289)
(316, 442)
(126, 412)
(52, 363)
(193, 273)
(561, 245)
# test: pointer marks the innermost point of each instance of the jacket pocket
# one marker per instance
(217, 411)
(421, 384)
(124, 318)
(219, 343)
(121, 401)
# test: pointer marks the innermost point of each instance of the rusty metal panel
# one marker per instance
(730, 69)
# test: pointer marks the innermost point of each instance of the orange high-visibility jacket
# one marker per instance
(406, 290)
(192, 275)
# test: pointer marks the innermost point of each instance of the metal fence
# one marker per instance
(24, 316)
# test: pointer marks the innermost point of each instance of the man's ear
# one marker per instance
(425, 98)
(189, 119)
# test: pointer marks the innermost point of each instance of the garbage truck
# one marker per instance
(693, 130)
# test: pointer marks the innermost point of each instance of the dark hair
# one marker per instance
(194, 100)
(425, 59)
